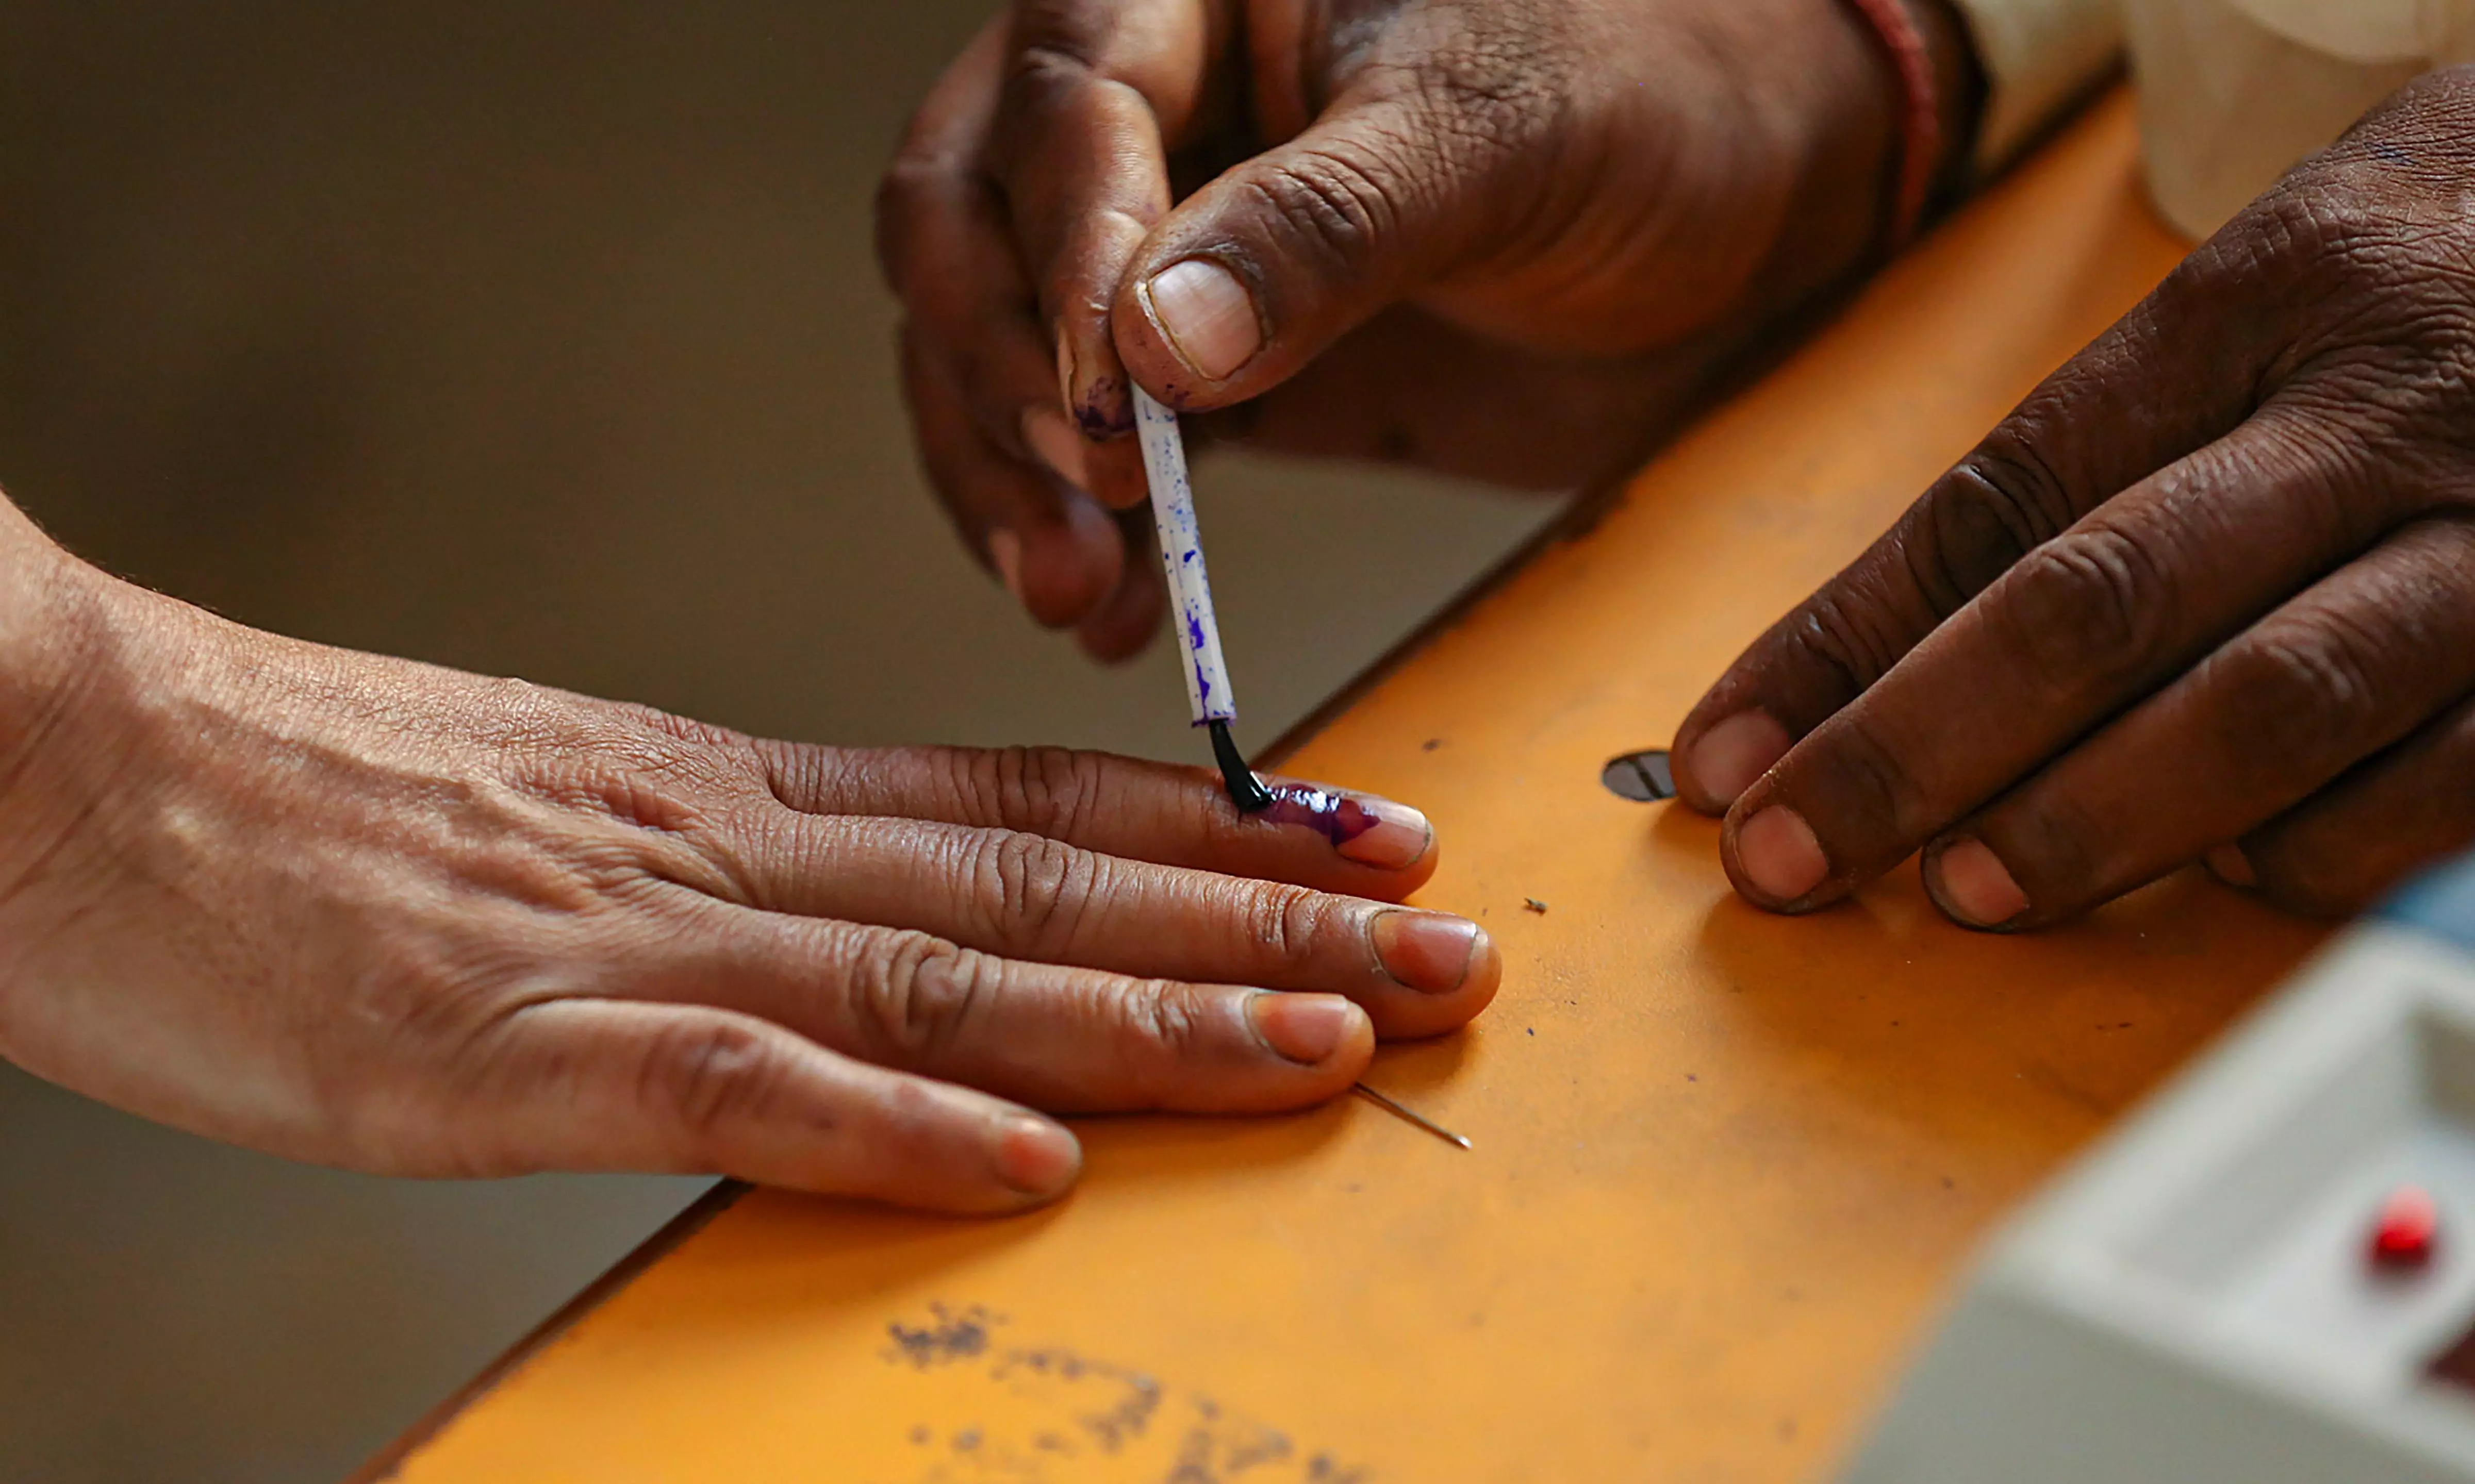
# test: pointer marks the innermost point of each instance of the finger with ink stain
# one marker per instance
(1374, 832)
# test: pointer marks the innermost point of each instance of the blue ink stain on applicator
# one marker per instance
(1207, 672)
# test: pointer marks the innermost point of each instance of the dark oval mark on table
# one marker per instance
(1643, 777)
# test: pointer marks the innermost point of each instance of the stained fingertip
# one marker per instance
(1730, 758)
(2229, 864)
(1036, 1157)
(1362, 829)
(1090, 381)
(1973, 886)
(1398, 838)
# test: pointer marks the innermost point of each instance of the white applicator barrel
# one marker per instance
(1190, 587)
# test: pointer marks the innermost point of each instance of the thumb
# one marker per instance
(1256, 274)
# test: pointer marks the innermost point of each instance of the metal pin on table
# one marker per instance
(1407, 1115)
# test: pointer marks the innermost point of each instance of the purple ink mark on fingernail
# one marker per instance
(1336, 817)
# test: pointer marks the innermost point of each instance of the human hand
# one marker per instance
(2207, 594)
(383, 916)
(1504, 239)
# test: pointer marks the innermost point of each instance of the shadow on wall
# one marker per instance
(539, 339)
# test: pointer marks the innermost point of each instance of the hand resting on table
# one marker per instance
(2209, 593)
(380, 915)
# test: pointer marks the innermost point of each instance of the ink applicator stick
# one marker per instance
(1189, 596)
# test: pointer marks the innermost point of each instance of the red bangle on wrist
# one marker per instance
(1921, 140)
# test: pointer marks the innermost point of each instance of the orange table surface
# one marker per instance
(1724, 1164)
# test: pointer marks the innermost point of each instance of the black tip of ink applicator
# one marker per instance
(1245, 789)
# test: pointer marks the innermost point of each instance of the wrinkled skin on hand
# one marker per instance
(394, 917)
(2209, 593)
(1502, 238)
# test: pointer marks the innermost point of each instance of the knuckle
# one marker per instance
(705, 1075)
(2057, 847)
(1869, 785)
(905, 1124)
(1162, 1022)
(917, 996)
(2303, 693)
(1046, 67)
(1040, 888)
(1288, 921)
(703, 736)
(2085, 608)
(1844, 630)
(1335, 209)
(1043, 790)
(2001, 501)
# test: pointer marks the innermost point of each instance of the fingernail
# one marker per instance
(1778, 853)
(1305, 1028)
(1429, 952)
(1005, 549)
(1065, 367)
(2229, 864)
(1972, 883)
(1204, 311)
(1393, 837)
(1731, 756)
(1035, 1157)
(1058, 445)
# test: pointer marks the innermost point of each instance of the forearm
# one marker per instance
(1850, 99)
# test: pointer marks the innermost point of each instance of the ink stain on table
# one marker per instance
(947, 1336)
(1045, 1414)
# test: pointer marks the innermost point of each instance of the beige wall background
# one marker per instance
(539, 338)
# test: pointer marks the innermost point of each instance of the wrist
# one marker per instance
(1959, 95)
(65, 631)
(1928, 71)
(1863, 182)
